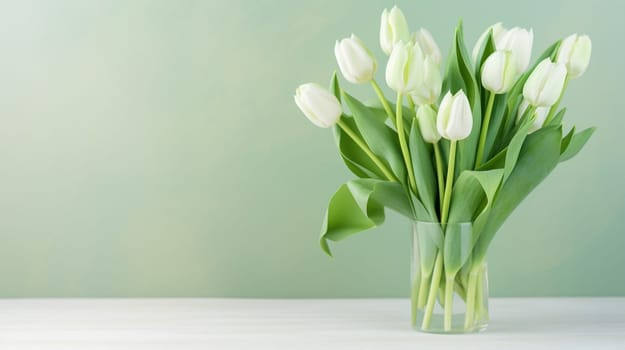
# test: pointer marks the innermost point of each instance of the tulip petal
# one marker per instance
(460, 118)
(428, 45)
(442, 119)
(536, 80)
(426, 116)
(399, 25)
(565, 49)
(431, 83)
(355, 61)
(541, 116)
(552, 89)
(580, 57)
(497, 29)
(493, 71)
(395, 67)
(519, 41)
(386, 36)
(412, 72)
(319, 105)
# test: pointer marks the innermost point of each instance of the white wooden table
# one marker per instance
(571, 323)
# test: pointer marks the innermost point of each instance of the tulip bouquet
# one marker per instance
(456, 165)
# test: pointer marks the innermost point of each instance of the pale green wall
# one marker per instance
(152, 148)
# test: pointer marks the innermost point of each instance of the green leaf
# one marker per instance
(557, 119)
(334, 86)
(471, 189)
(421, 213)
(458, 245)
(507, 130)
(408, 113)
(514, 148)
(359, 205)
(354, 157)
(566, 140)
(379, 137)
(379, 113)
(430, 240)
(421, 154)
(496, 162)
(538, 157)
(460, 76)
(499, 105)
(496, 121)
(577, 143)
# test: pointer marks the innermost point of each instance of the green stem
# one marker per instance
(481, 290)
(449, 294)
(439, 174)
(389, 175)
(411, 103)
(404, 145)
(423, 286)
(444, 216)
(438, 265)
(484, 131)
(414, 302)
(459, 288)
(479, 304)
(469, 315)
(436, 278)
(450, 182)
(554, 108)
(387, 107)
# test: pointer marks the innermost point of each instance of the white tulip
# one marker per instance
(455, 120)
(544, 85)
(426, 116)
(574, 53)
(497, 29)
(393, 29)
(519, 41)
(428, 45)
(429, 89)
(404, 67)
(355, 61)
(541, 115)
(318, 104)
(499, 72)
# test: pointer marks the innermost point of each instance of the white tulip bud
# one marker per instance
(544, 85)
(574, 53)
(454, 120)
(519, 41)
(428, 45)
(426, 116)
(499, 72)
(539, 120)
(393, 29)
(404, 67)
(318, 104)
(497, 29)
(355, 61)
(429, 88)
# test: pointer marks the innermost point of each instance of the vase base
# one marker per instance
(457, 331)
(436, 325)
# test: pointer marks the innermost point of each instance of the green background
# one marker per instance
(152, 148)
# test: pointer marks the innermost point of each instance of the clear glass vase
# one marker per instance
(449, 285)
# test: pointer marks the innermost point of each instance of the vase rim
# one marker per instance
(462, 223)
